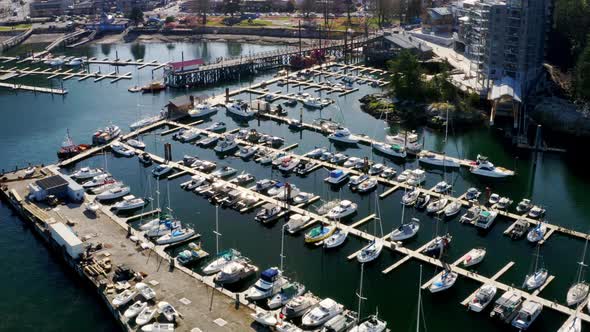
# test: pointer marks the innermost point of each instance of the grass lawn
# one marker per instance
(15, 27)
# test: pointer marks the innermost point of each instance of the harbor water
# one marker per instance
(40, 292)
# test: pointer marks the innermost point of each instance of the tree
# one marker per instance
(231, 6)
(406, 81)
(136, 15)
(290, 6)
(170, 19)
(582, 74)
(307, 7)
(200, 7)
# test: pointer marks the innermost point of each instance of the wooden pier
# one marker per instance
(34, 89)
(50, 73)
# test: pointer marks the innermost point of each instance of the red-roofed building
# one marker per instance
(186, 65)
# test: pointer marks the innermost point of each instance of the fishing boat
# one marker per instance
(224, 172)
(482, 166)
(416, 177)
(147, 121)
(471, 215)
(266, 318)
(202, 110)
(124, 297)
(121, 150)
(168, 311)
(297, 222)
(153, 87)
(472, 194)
(129, 202)
(367, 186)
(271, 281)
(539, 274)
(299, 306)
(485, 218)
(336, 239)
(536, 212)
(473, 257)
(226, 145)
(134, 309)
(105, 135)
(136, 143)
(113, 193)
(392, 150)
(145, 158)
(216, 127)
(268, 213)
(324, 311)
(452, 208)
(524, 206)
(240, 109)
(437, 160)
(537, 233)
(145, 316)
(484, 296)
(68, 149)
(442, 187)
(527, 314)
(438, 246)
(370, 252)
(443, 281)
(343, 210)
(286, 294)
(578, 292)
(423, 200)
(343, 135)
(505, 307)
(437, 205)
(87, 173)
(161, 170)
(235, 271)
(337, 176)
(319, 233)
(222, 259)
(158, 327)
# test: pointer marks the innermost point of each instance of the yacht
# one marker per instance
(161, 170)
(443, 281)
(247, 152)
(343, 210)
(135, 143)
(324, 311)
(503, 203)
(270, 283)
(442, 187)
(336, 239)
(288, 292)
(472, 194)
(222, 259)
(240, 109)
(473, 257)
(376, 169)
(405, 230)
(485, 168)
(313, 102)
(168, 311)
(326, 156)
(527, 314)
(438, 160)
(370, 252)
(337, 176)
(216, 127)
(537, 233)
(176, 235)
(289, 164)
(393, 150)
(268, 213)
(437, 205)
(299, 306)
(505, 307)
(113, 193)
(134, 309)
(297, 222)
(319, 233)
(129, 202)
(484, 295)
(243, 179)
(344, 136)
(276, 189)
(367, 186)
(338, 158)
(87, 173)
(98, 180)
(189, 135)
(471, 215)
(109, 133)
(226, 145)
(524, 206)
(416, 177)
(202, 110)
(147, 121)
(350, 162)
(485, 218)
(224, 172)
(315, 153)
(235, 271)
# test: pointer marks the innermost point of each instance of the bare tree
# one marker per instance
(201, 7)
(307, 7)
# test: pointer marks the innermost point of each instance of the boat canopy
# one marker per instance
(269, 274)
(336, 173)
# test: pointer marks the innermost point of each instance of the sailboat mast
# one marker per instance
(217, 234)
(403, 209)
(360, 294)
(168, 197)
(419, 301)
(282, 245)
(582, 262)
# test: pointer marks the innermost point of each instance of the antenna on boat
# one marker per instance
(360, 294)
(216, 232)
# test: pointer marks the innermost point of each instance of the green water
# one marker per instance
(34, 127)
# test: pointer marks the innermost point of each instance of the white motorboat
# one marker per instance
(268, 213)
(437, 205)
(189, 135)
(536, 212)
(240, 109)
(527, 314)
(474, 256)
(102, 188)
(438, 160)
(297, 222)
(299, 306)
(372, 324)
(471, 215)
(147, 121)
(356, 180)
(124, 297)
(506, 306)
(494, 198)
(485, 218)
(87, 173)
(202, 110)
(122, 150)
(537, 233)
(370, 252)
(524, 206)
(247, 152)
(135, 309)
(367, 186)
(243, 178)
(176, 235)
(393, 150)
(168, 311)
(388, 173)
(575, 325)
(416, 177)
(442, 187)
(224, 172)
(129, 202)
(158, 327)
(324, 311)
(337, 176)
(443, 281)
(226, 145)
(313, 102)
(344, 136)
(484, 296)
(503, 203)
(404, 175)
(287, 292)
(161, 170)
(216, 127)
(343, 210)
(338, 158)
(485, 168)
(222, 259)
(472, 194)
(284, 326)
(302, 198)
(405, 230)
(423, 200)
(289, 164)
(75, 62)
(195, 181)
(113, 193)
(270, 283)
(276, 188)
(264, 185)
(98, 180)
(452, 208)
(351, 161)
(376, 169)
(235, 271)
(336, 239)
(267, 318)
(145, 316)
(316, 153)
(410, 197)
(326, 156)
(136, 143)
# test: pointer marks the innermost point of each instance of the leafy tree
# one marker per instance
(307, 7)
(170, 19)
(406, 81)
(136, 15)
(202, 7)
(290, 6)
(582, 74)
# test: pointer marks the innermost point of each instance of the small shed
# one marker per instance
(66, 239)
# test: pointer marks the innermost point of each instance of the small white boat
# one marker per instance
(438, 160)
(222, 259)
(370, 252)
(158, 327)
(75, 62)
(224, 172)
(268, 213)
(471, 215)
(484, 295)
(343, 210)
(271, 281)
(240, 109)
(266, 318)
(247, 152)
(124, 297)
(372, 324)
(302, 198)
(145, 316)
(404, 175)
(146, 291)
(524, 206)
(243, 179)
(189, 135)
(87, 173)
(316, 153)
(288, 164)
(176, 235)
(121, 150)
(235, 271)
(392, 150)
(536, 212)
(148, 120)
(410, 197)
(503, 203)
(167, 310)
(494, 198)
(527, 314)
(485, 168)
(129, 202)
(537, 279)
(202, 110)
(416, 177)
(367, 186)
(405, 231)
(297, 222)
(442, 187)
(537, 233)
(336, 239)
(135, 309)
(472, 194)
(443, 281)
(337, 176)
(574, 326)
(338, 158)
(323, 312)
(92, 207)
(29, 171)
(356, 180)
(344, 136)
(350, 162)
(313, 102)
(216, 127)
(577, 293)
(161, 170)
(485, 218)
(226, 145)
(452, 208)
(299, 306)
(287, 292)
(376, 169)
(388, 173)
(135, 143)
(98, 180)
(474, 256)
(113, 193)
(437, 205)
